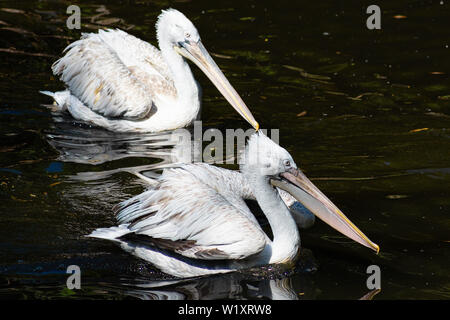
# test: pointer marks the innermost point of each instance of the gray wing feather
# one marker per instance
(97, 72)
(214, 223)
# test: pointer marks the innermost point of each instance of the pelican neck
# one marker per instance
(286, 238)
(181, 73)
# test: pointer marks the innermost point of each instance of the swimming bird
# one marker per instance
(198, 212)
(117, 81)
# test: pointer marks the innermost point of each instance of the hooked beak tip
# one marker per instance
(299, 186)
(377, 248)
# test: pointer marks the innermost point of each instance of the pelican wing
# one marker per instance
(227, 181)
(234, 182)
(114, 73)
(192, 218)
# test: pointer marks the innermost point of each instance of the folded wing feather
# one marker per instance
(199, 221)
(114, 73)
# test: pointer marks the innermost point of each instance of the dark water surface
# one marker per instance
(366, 115)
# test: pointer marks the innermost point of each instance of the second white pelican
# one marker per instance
(198, 212)
(119, 82)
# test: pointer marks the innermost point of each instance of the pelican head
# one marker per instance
(174, 28)
(265, 159)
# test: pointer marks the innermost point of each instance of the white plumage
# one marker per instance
(117, 81)
(198, 211)
(195, 203)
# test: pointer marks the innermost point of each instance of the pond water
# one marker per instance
(365, 113)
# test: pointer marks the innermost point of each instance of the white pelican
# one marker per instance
(198, 212)
(119, 82)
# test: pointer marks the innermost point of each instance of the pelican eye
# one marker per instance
(187, 35)
(287, 163)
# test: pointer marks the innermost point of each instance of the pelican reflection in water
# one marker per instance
(195, 221)
(117, 81)
(228, 286)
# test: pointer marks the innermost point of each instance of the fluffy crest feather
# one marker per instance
(173, 25)
(262, 152)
